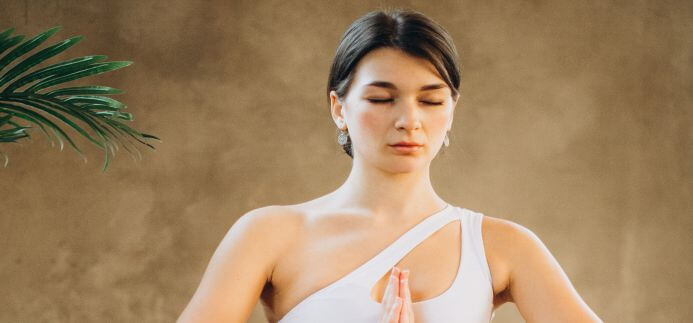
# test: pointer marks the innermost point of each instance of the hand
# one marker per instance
(396, 301)
(407, 312)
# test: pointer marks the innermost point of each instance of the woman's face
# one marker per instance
(395, 97)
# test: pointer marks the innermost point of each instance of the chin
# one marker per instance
(411, 164)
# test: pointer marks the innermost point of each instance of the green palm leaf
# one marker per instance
(39, 97)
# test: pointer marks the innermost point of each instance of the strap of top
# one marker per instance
(370, 272)
(477, 241)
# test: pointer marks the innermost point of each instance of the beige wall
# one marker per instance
(575, 121)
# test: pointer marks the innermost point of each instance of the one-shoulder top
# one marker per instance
(469, 299)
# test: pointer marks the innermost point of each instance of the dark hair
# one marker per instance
(407, 30)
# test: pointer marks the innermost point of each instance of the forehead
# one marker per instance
(405, 71)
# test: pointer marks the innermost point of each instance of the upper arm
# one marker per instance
(537, 284)
(238, 270)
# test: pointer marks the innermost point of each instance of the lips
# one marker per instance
(406, 144)
(406, 148)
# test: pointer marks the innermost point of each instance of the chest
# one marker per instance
(325, 254)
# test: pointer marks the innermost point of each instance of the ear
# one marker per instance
(454, 107)
(336, 108)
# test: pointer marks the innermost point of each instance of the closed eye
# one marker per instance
(378, 101)
(432, 103)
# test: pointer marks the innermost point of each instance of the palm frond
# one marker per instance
(40, 97)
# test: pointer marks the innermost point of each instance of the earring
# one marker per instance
(343, 137)
(446, 141)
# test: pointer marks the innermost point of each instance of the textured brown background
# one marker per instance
(575, 121)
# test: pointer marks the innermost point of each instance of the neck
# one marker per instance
(389, 196)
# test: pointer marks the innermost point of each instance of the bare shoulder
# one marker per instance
(506, 233)
(500, 239)
(514, 243)
(271, 219)
(530, 275)
(508, 244)
(241, 266)
(269, 226)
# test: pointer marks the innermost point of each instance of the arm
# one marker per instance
(238, 270)
(537, 284)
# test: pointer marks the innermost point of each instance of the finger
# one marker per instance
(387, 299)
(395, 311)
(407, 310)
(390, 314)
(395, 285)
(404, 277)
(404, 313)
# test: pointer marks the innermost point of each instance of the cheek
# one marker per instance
(371, 122)
(440, 119)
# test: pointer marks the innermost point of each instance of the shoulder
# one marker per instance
(507, 244)
(241, 266)
(272, 219)
(498, 236)
(534, 277)
(268, 227)
(507, 233)
(511, 242)
(262, 234)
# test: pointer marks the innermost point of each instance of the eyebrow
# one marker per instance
(388, 85)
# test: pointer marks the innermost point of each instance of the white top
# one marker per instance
(469, 299)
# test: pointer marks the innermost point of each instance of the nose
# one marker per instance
(408, 115)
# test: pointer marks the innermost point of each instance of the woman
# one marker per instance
(384, 247)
